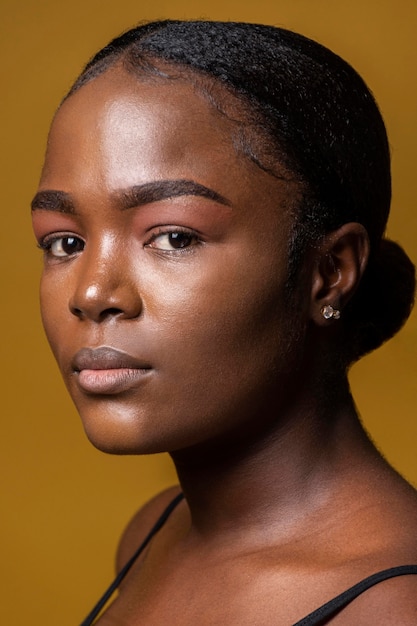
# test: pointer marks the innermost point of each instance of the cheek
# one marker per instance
(225, 364)
(225, 324)
(54, 310)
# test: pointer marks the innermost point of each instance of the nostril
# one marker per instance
(110, 312)
(77, 312)
(100, 315)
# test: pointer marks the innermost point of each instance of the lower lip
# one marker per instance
(110, 381)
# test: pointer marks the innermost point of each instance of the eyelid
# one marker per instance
(168, 230)
(47, 242)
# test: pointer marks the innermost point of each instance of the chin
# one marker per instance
(121, 444)
(117, 431)
(127, 434)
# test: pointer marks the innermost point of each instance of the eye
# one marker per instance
(173, 240)
(63, 246)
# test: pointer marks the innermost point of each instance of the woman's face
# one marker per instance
(163, 290)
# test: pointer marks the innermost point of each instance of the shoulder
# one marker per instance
(392, 601)
(141, 523)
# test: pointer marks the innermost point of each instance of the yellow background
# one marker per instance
(63, 503)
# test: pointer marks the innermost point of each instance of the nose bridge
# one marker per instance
(104, 286)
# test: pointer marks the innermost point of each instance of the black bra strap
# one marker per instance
(317, 617)
(109, 592)
(329, 609)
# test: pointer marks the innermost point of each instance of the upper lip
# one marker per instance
(105, 358)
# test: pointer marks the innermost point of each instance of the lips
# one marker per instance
(105, 370)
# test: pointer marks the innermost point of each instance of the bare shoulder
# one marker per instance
(394, 529)
(141, 523)
(393, 601)
(399, 513)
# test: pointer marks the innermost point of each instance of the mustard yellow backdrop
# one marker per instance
(63, 503)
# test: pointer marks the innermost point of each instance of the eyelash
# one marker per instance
(174, 230)
(47, 243)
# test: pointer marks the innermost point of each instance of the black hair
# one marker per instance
(321, 120)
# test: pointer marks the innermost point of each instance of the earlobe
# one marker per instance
(329, 312)
(340, 261)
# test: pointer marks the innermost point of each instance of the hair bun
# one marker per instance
(383, 301)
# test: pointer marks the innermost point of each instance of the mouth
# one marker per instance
(106, 370)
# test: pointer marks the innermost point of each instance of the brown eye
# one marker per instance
(66, 246)
(180, 240)
(175, 240)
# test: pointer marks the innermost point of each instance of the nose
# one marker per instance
(105, 287)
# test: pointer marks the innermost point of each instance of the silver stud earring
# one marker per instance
(328, 312)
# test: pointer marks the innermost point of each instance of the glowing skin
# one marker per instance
(164, 300)
(186, 278)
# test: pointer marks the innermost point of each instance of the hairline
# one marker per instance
(299, 240)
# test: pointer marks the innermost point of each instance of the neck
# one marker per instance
(277, 475)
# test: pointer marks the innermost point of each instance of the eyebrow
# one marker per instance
(164, 189)
(53, 201)
(138, 195)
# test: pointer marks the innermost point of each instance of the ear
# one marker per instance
(340, 261)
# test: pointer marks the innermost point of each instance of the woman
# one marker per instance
(212, 210)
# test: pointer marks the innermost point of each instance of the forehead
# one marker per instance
(118, 130)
